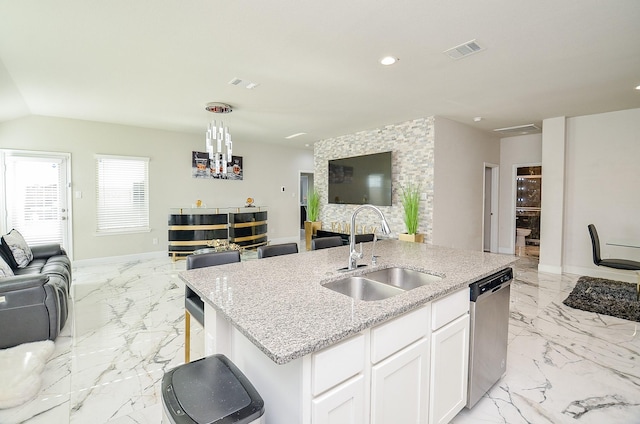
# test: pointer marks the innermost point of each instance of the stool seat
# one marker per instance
(208, 390)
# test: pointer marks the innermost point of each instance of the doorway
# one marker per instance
(528, 202)
(36, 199)
(306, 186)
(490, 209)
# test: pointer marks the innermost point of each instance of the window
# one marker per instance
(122, 193)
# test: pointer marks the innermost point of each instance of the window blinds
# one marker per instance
(122, 194)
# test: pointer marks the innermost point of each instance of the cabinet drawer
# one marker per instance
(337, 363)
(390, 337)
(449, 308)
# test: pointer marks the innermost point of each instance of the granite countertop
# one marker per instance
(280, 305)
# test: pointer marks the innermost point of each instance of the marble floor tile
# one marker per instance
(126, 328)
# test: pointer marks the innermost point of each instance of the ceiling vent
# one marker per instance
(519, 129)
(466, 49)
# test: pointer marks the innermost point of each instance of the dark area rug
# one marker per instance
(608, 297)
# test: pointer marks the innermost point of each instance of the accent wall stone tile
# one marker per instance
(412, 144)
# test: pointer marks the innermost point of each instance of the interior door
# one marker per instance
(36, 198)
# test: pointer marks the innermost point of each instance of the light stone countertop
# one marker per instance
(280, 305)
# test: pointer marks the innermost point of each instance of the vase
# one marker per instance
(310, 229)
(415, 238)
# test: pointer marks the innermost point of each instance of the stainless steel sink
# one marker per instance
(405, 279)
(382, 284)
(360, 288)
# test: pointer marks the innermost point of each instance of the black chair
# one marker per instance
(364, 238)
(277, 250)
(193, 305)
(326, 242)
(623, 264)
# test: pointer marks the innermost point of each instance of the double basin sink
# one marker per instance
(382, 284)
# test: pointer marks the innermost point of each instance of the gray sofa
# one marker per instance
(34, 302)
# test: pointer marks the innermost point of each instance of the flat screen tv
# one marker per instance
(359, 180)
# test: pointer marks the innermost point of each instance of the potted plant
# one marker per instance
(312, 225)
(411, 205)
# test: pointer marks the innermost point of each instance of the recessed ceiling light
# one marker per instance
(295, 135)
(638, 87)
(477, 119)
(388, 60)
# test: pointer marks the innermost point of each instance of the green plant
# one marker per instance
(411, 204)
(313, 206)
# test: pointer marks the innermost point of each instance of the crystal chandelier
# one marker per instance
(218, 134)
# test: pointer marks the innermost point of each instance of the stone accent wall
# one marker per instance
(412, 144)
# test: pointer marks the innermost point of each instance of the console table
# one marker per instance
(191, 229)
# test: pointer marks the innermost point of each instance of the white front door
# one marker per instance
(36, 198)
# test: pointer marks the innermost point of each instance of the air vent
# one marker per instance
(519, 129)
(463, 50)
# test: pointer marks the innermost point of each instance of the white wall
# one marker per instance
(518, 150)
(602, 187)
(460, 156)
(266, 169)
(553, 190)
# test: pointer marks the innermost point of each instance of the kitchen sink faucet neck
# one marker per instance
(354, 255)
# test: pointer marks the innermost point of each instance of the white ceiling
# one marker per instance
(156, 63)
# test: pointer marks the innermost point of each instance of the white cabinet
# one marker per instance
(342, 405)
(399, 386)
(338, 383)
(380, 376)
(449, 357)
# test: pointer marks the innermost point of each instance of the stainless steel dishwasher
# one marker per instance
(489, 313)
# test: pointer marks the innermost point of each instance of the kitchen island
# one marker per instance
(320, 356)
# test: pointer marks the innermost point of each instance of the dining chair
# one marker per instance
(326, 242)
(623, 264)
(364, 238)
(277, 250)
(193, 304)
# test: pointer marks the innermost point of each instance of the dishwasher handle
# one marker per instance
(489, 284)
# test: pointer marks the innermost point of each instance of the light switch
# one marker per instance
(78, 195)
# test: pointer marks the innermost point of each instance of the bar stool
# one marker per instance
(193, 305)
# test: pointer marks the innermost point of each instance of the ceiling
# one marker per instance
(156, 63)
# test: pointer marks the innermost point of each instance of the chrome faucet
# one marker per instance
(354, 255)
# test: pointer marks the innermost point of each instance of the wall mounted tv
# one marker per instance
(359, 180)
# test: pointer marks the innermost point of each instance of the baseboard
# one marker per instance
(550, 269)
(116, 259)
(601, 272)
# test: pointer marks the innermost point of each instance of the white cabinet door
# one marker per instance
(399, 386)
(449, 370)
(341, 405)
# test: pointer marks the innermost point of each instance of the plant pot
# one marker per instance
(310, 229)
(415, 238)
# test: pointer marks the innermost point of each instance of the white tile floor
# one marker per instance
(127, 328)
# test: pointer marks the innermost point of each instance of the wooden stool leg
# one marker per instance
(187, 336)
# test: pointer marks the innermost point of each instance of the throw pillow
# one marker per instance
(5, 269)
(19, 249)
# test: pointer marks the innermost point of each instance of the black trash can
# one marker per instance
(210, 390)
